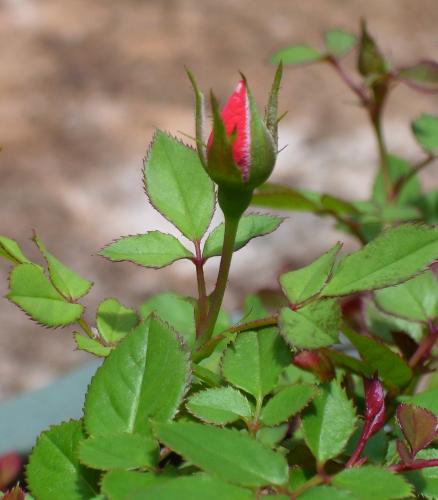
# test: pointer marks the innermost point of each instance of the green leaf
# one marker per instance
(421, 76)
(326, 493)
(10, 250)
(178, 187)
(425, 129)
(416, 299)
(92, 346)
(254, 361)
(394, 372)
(428, 205)
(271, 436)
(114, 320)
(54, 470)
(66, 281)
(425, 480)
(373, 482)
(176, 310)
(219, 406)
(119, 451)
(32, 292)
(286, 403)
(193, 487)
(303, 283)
(153, 249)
(312, 326)
(226, 453)
(250, 226)
(283, 198)
(297, 54)
(145, 377)
(391, 258)
(398, 168)
(427, 399)
(123, 484)
(329, 422)
(339, 42)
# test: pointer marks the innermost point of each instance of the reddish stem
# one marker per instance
(425, 348)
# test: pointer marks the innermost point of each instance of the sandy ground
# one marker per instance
(85, 83)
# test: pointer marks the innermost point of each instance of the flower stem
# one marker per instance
(202, 311)
(383, 154)
(425, 348)
(231, 224)
(86, 327)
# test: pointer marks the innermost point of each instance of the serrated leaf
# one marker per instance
(415, 299)
(421, 76)
(152, 249)
(328, 422)
(303, 283)
(176, 310)
(178, 186)
(54, 470)
(119, 451)
(91, 345)
(250, 226)
(373, 482)
(394, 256)
(254, 361)
(67, 282)
(427, 399)
(312, 326)
(10, 250)
(326, 493)
(297, 54)
(225, 453)
(425, 129)
(393, 371)
(123, 484)
(114, 320)
(339, 42)
(271, 436)
(32, 292)
(425, 480)
(419, 426)
(144, 377)
(286, 403)
(193, 487)
(221, 405)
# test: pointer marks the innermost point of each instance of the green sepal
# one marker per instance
(271, 114)
(370, 60)
(262, 144)
(199, 119)
(220, 162)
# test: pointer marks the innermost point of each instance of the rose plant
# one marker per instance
(332, 393)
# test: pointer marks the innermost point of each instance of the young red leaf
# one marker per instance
(315, 362)
(403, 452)
(419, 426)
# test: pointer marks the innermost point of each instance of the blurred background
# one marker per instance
(83, 85)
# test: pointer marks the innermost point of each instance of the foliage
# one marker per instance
(324, 396)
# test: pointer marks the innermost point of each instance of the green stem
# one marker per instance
(86, 327)
(202, 311)
(383, 155)
(231, 224)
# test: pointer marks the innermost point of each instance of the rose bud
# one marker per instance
(242, 148)
(374, 407)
